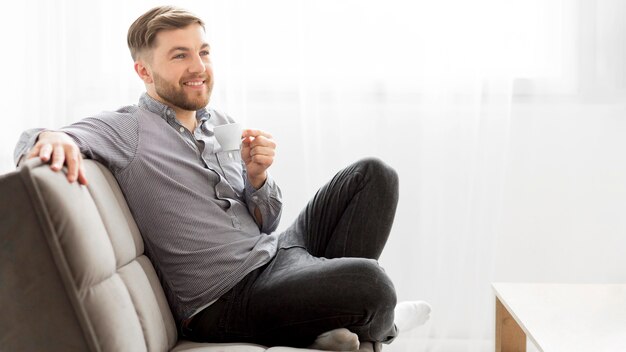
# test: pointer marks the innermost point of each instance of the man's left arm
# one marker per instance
(263, 196)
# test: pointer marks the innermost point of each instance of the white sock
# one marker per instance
(411, 314)
(337, 340)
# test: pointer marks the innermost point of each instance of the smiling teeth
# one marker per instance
(194, 83)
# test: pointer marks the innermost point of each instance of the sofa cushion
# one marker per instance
(88, 263)
(37, 313)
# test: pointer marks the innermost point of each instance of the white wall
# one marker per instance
(545, 207)
(504, 119)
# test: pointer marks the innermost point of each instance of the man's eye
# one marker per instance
(179, 56)
(204, 53)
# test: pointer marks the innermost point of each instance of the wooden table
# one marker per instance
(561, 317)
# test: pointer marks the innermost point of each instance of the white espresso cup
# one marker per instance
(228, 136)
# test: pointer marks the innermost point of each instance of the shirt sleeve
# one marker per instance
(25, 143)
(110, 138)
(268, 199)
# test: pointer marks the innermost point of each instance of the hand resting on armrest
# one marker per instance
(59, 149)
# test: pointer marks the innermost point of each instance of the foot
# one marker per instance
(411, 314)
(336, 340)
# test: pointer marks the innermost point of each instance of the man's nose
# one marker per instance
(197, 65)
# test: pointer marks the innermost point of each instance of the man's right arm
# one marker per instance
(110, 138)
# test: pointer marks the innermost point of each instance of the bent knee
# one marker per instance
(379, 171)
(373, 288)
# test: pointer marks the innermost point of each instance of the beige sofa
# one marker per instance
(73, 274)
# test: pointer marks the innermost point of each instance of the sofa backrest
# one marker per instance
(73, 276)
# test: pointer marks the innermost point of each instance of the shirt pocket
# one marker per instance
(232, 167)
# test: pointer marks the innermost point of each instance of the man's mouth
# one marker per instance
(194, 83)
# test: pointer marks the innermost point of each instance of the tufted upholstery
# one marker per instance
(73, 276)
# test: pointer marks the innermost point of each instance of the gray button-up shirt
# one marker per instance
(192, 202)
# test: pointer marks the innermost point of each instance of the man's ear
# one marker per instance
(143, 72)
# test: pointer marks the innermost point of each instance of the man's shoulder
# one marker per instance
(128, 111)
(124, 112)
(126, 116)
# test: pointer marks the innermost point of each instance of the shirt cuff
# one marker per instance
(26, 143)
(267, 199)
(256, 197)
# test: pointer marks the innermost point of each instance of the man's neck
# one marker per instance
(186, 118)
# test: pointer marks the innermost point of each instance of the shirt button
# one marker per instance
(182, 129)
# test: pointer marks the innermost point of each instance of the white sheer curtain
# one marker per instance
(504, 119)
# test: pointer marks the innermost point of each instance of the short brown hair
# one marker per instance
(143, 31)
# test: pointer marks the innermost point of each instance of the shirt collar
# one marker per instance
(167, 113)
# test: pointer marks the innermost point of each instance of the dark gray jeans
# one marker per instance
(325, 274)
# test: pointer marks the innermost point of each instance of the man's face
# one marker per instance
(182, 76)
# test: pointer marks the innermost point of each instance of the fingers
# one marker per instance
(259, 146)
(58, 157)
(72, 159)
(34, 152)
(255, 133)
(60, 153)
(258, 143)
(262, 156)
(262, 141)
(82, 177)
(263, 160)
(44, 152)
(267, 151)
(246, 142)
(257, 150)
(74, 162)
(41, 150)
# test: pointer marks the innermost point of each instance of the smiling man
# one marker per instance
(208, 218)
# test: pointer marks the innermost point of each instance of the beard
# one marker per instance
(175, 94)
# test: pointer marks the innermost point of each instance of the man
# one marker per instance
(207, 217)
